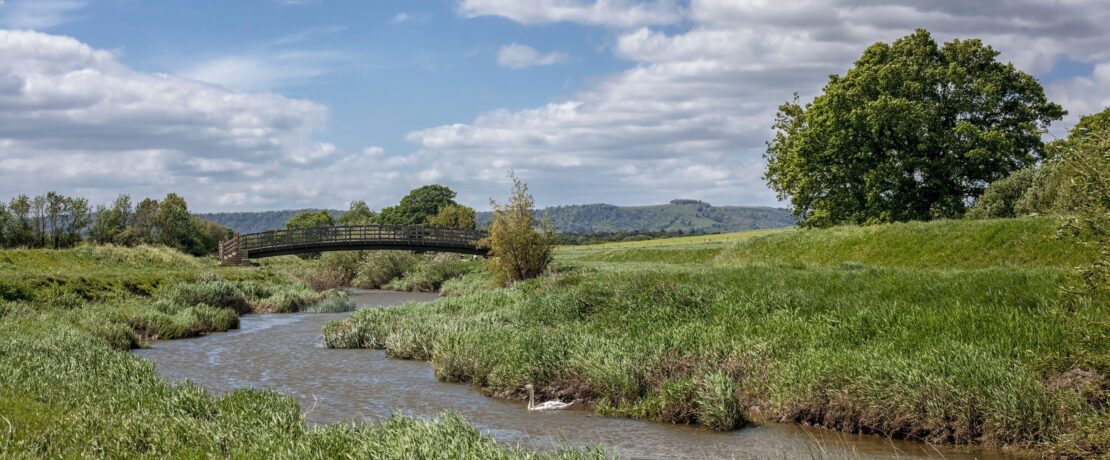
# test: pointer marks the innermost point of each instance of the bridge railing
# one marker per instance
(385, 234)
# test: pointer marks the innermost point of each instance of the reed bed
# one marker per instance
(69, 389)
(969, 348)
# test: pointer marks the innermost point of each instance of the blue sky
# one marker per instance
(383, 68)
(272, 104)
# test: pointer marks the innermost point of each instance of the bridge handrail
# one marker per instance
(399, 234)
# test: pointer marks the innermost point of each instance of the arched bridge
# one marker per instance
(241, 248)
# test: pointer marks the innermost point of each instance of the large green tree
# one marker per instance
(420, 204)
(912, 131)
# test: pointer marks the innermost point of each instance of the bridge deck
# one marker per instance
(241, 248)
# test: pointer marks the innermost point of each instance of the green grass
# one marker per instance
(943, 244)
(687, 241)
(69, 388)
(946, 332)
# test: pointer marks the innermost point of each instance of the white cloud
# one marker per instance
(1082, 95)
(38, 14)
(690, 118)
(263, 70)
(616, 13)
(73, 118)
(282, 62)
(516, 56)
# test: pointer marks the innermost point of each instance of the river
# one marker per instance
(284, 352)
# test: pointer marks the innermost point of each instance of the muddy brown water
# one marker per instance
(284, 353)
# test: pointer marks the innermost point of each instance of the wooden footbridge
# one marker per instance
(241, 248)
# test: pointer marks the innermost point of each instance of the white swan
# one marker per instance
(549, 405)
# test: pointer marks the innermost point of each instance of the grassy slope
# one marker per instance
(947, 331)
(68, 388)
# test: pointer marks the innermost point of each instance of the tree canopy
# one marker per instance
(912, 131)
(420, 204)
(56, 221)
(358, 214)
(455, 216)
(310, 219)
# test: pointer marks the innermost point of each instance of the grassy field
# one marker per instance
(69, 388)
(947, 331)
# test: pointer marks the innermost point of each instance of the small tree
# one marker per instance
(519, 246)
(22, 231)
(175, 224)
(358, 214)
(454, 216)
(77, 220)
(111, 222)
(309, 219)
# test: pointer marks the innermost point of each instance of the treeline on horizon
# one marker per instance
(56, 221)
(677, 218)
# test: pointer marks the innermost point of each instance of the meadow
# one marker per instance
(947, 332)
(69, 387)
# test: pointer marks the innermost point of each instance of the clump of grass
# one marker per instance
(431, 273)
(333, 301)
(217, 293)
(469, 283)
(378, 268)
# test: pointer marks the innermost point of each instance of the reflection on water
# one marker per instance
(284, 353)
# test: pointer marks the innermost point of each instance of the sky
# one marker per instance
(284, 104)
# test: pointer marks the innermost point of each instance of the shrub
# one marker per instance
(430, 274)
(324, 278)
(518, 250)
(1001, 197)
(378, 268)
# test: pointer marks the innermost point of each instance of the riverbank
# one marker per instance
(282, 352)
(946, 332)
(69, 388)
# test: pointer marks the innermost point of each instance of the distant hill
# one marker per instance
(677, 216)
(257, 221)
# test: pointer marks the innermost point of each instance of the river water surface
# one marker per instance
(284, 353)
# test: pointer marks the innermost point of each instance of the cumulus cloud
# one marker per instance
(691, 116)
(73, 117)
(516, 56)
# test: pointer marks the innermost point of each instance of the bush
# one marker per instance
(1001, 197)
(431, 273)
(378, 268)
(324, 278)
(518, 251)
